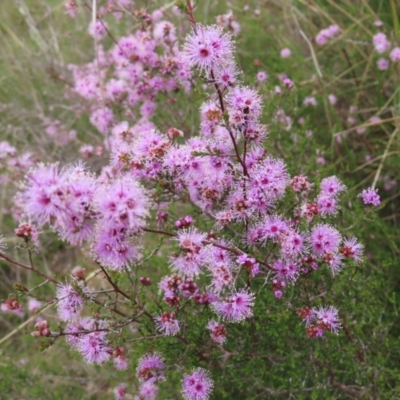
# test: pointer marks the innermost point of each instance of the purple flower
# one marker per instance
(218, 331)
(352, 249)
(98, 29)
(207, 47)
(325, 34)
(167, 323)
(148, 391)
(121, 363)
(328, 316)
(310, 101)
(69, 302)
(293, 244)
(120, 392)
(381, 43)
(395, 54)
(334, 262)
(324, 239)
(197, 386)
(382, 64)
(370, 196)
(285, 53)
(151, 367)
(94, 347)
(332, 186)
(123, 203)
(327, 205)
(44, 193)
(286, 271)
(235, 307)
(261, 76)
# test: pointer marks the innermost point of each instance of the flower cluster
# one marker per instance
(320, 320)
(370, 196)
(259, 230)
(326, 34)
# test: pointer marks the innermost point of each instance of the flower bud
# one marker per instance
(145, 281)
(78, 273)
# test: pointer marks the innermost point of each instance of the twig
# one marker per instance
(30, 268)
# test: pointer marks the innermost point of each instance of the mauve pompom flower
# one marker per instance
(69, 302)
(286, 271)
(395, 54)
(71, 8)
(261, 76)
(120, 392)
(98, 29)
(148, 390)
(327, 205)
(198, 385)
(207, 47)
(167, 323)
(328, 316)
(351, 248)
(151, 367)
(235, 307)
(382, 64)
(218, 331)
(381, 43)
(332, 99)
(370, 196)
(332, 186)
(94, 347)
(324, 239)
(285, 53)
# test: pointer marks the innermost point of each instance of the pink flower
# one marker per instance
(206, 48)
(189, 262)
(285, 53)
(327, 205)
(261, 76)
(351, 248)
(69, 302)
(71, 8)
(332, 186)
(34, 305)
(382, 64)
(218, 331)
(324, 239)
(326, 34)
(167, 323)
(286, 271)
(148, 391)
(235, 307)
(370, 196)
(98, 29)
(395, 54)
(328, 316)
(151, 367)
(120, 392)
(94, 347)
(310, 101)
(121, 363)
(380, 42)
(197, 386)
(332, 99)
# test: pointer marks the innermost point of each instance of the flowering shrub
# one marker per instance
(241, 241)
